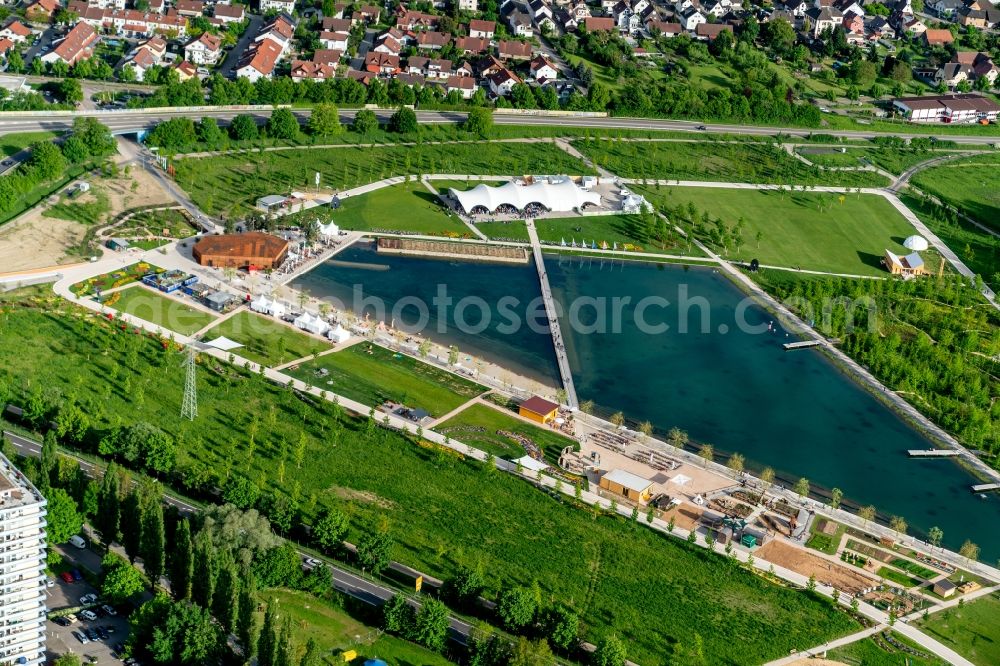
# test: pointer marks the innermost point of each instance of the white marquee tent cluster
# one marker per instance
(554, 194)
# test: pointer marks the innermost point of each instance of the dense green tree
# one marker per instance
(465, 586)
(375, 550)
(403, 121)
(479, 121)
(516, 607)
(225, 601)
(182, 562)
(325, 120)
(313, 655)
(153, 542)
(131, 524)
(267, 644)
(173, 134)
(561, 625)
(206, 572)
(64, 519)
(281, 565)
(328, 532)
(48, 460)
(47, 160)
(209, 132)
(398, 615)
(365, 122)
(241, 492)
(187, 637)
(121, 581)
(529, 652)
(75, 150)
(244, 128)
(246, 619)
(71, 91)
(68, 659)
(282, 124)
(610, 652)
(430, 627)
(109, 505)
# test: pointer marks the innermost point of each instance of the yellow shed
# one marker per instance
(538, 410)
(631, 486)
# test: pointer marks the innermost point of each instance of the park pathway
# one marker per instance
(550, 307)
(820, 650)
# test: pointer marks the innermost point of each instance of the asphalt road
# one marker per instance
(127, 121)
(233, 56)
(344, 581)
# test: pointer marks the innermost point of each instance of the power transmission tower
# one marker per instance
(189, 407)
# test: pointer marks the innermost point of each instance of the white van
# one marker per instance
(78, 541)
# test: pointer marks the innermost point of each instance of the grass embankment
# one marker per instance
(814, 231)
(969, 184)
(878, 652)
(335, 631)
(973, 630)
(265, 340)
(480, 426)
(656, 592)
(893, 161)
(158, 309)
(407, 207)
(372, 375)
(88, 208)
(11, 144)
(708, 161)
(231, 184)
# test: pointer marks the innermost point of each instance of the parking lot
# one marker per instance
(61, 639)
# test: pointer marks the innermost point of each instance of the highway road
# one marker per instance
(344, 581)
(127, 121)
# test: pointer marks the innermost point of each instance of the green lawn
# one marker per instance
(656, 592)
(973, 631)
(11, 144)
(713, 161)
(826, 543)
(336, 631)
(408, 207)
(893, 161)
(478, 426)
(897, 577)
(968, 184)
(799, 229)
(86, 208)
(371, 374)
(176, 223)
(164, 311)
(621, 229)
(868, 652)
(232, 183)
(265, 340)
(513, 230)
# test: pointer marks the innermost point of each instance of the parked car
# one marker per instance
(66, 576)
(78, 635)
(77, 576)
(701, 128)
(62, 621)
(312, 563)
(50, 582)
(78, 541)
(109, 611)
(91, 634)
(88, 615)
(88, 599)
(103, 634)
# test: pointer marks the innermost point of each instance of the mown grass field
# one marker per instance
(335, 631)
(231, 184)
(973, 630)
(655, 592)
(372, 375)
(265, 340)
(11, 144)
(156, 308)
(621, 229)
(477, 426)
(801, 229)
(715, 161)
(407, 207)
(968, 184)
(870, 653)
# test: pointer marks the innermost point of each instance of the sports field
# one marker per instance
(156, 308)
(813, 231)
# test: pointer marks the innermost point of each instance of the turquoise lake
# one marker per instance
(739, 391)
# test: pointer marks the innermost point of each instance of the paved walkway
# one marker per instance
(820, 650)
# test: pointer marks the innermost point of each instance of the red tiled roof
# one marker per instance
(76, 42)
(512, 49)
(539, 405)
(262, 56)
(250, 244)
(599, 23)
(482, 26)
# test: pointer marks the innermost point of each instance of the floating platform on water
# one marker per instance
(504, 254)
(801, 344)
(983, 487)
(933, 453)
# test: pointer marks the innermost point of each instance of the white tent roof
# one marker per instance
(529, 463)
(223, 343)
(680, 479)
(915, 243)
(556, 196)
(260, 304)
(330, 229)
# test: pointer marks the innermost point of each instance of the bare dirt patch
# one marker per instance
(350, 494)
(807, 564)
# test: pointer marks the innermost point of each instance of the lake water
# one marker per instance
(792, 410)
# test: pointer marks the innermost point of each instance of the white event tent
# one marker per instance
(561, 196)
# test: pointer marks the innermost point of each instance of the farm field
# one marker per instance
(265, 340)
(372, 375)
(156, 308)
(621, 578)
(972, 630)
(232, 183)
(335, 631)
(800, 229)
(408, 207)
(477, 426)
(713, 161)
(968, 184)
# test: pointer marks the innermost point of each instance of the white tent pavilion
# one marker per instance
(328, 230)
(530, 464)
(223, 343)
(680, 479)
(555, 195)
(311, 323)
(338, 334)
(915, 243)
(261, 304)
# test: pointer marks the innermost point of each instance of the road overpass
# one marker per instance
(133, 120)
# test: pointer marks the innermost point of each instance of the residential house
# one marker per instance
(985, 19)
(503, 82)
(626, 20)
(283, 6)
(945, 8)
(15, 31)
(390, 43)
(334, 40)
(230, 13)
(185, 70)
(718, 8)
(78, 44)
(967, 66)
(508, 49)
(465, 85)
(259, 60)
(5, 46)
(412, 20)
(335, 25)
(914, 27)
(107, 4)
(599, 24)
(205, 50)
(797, 8)
(465, 69)
(411, 80)
(430, 39)
(488, 66)
(189, 8)
(468, 5)
(691, 18)
(579, 10)
(938, 37)
(147, 55)
(41, 10)
(475, 45)
(665, 28)
(130, 22)
(709, 31)
(959, 108)
(853, 24)
(382, 64)
(309, 69)
(822, 19)
(369, 13)
(519, 20)
(160, 6)
(484, 29)
(542, 70)
(280, 29)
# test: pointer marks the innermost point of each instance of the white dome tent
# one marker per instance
(555, 195)
(915, 243)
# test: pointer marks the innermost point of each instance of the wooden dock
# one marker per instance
(933, 453)
(983, 487)
(802, 344)
(550, 309)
